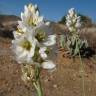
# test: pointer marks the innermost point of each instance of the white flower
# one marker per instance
(42, 52)
(24, 48)
(78, 25)
(71, 12)
(72, 20)
(26, 32)
(48, 64)
(50, 41)
(30, 20)
(30, 17)
(29, 44)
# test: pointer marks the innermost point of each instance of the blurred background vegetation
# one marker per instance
(85, 20)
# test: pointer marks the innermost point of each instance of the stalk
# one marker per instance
(37, 82)
(38, 88)
(82, 71)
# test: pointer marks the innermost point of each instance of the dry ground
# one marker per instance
(66, 80)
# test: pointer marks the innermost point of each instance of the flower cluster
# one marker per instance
(75, 44)
(73, 20)
(72, 42)
(31, 45)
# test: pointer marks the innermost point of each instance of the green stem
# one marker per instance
(38, 88)
(37, 83)
(40, 92)
(82, 73)
(82, 67)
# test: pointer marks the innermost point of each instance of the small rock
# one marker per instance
(55, 85)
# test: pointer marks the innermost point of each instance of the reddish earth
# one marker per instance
(66, 80)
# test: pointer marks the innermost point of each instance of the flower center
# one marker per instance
(20, 31)
(26, 45)
(40, 36)
(31, 21)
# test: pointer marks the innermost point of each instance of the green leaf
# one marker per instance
(62, 41)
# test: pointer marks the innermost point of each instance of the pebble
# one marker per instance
(55, 85)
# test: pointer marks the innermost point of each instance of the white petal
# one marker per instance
(22, 58)
(23, 54)
(31, 52)
(22, 15)
(12, 41)
(40, 24)
(29, 60)
(43, 55)
(37, 13)
(41, 19)
(68, 24)
(71, 12)
(22, 26)
(70, 28)
(19, 49)
(78, 25)
(48, 65)
(16, 35)
(51, 40)
(42, 52)
(25, 9)
(47, 23)
(15, 42)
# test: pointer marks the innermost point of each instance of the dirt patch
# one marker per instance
(65, 80)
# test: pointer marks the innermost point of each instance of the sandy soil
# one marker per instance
(65, 80)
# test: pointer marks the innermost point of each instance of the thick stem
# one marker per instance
(38, 88)
(40, 92)
(37, 83)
